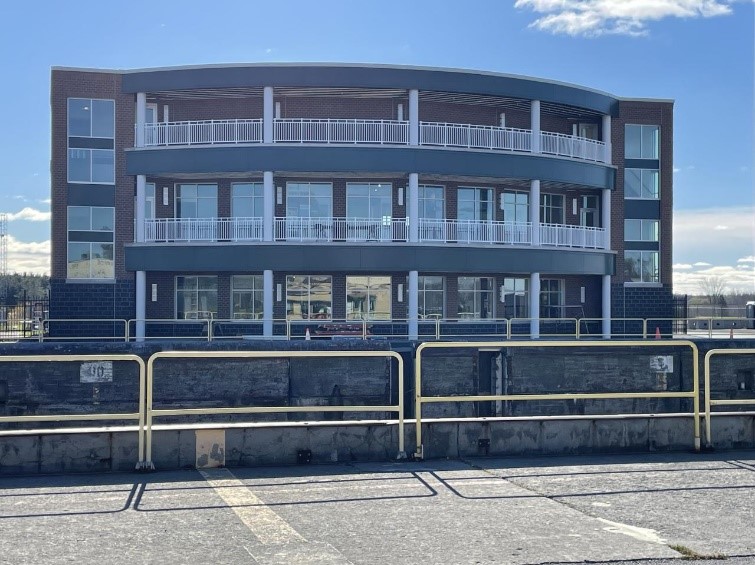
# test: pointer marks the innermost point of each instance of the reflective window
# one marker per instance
(641, 142)
(641, 266)
(516, 207)
(149, 208)
(309, 297)
(247, 200)
(309, 200)
(91, 118)
(91, 165)
(431, 202)
(87, 260)
(552, 208)
(246, 297)
(91, 218)
(641, 230)
(368, 298)
(551, 298)
(197, 201)
(432, 297)
(476, 298)
(196, 297)
(641, 183)
(475, 204)
(370, 201)
(516, 297)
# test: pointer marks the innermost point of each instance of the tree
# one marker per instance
(714, 288)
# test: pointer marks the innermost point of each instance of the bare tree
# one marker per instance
(714, 289)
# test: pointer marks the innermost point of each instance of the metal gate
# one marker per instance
(22, 318)
(680, 314)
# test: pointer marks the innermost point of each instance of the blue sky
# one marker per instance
(697, 52)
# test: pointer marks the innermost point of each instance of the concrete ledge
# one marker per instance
(175, 446)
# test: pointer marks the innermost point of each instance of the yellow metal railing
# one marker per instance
(152, 412)
(720, 402)
(44, 329)
(139, 415)
(420, 400)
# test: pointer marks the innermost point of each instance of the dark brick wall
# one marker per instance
(642, 302)
(114, 301)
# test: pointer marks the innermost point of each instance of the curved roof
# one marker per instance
(351, 75)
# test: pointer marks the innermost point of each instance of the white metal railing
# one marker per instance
(341, 229)
(301, 130)
(561, 235)
(474, 136)
(203, 229)
(474, 231)
(205, 132)
(572, 146)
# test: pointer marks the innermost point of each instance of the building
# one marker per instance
(261, 193)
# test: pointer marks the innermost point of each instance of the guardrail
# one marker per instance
(203, 132)
(203, 229)
(303, 130)
(572, 146)
(419, 399)
(47, 327)
(709, 402)
(341, 229)
(151, 412)
(474, 136)
(139, 415)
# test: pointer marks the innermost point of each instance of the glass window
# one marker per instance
(149, 208)
(246, 297)
(196, 297)
(91, 165)
(641, 183)
(309, 297)
(247, 200)
(516, 297)
(88, 260)
(91, 218)
(516, 207)
(91, 118)
(368, 298)
(641, 230)
(551, 298)
(431, 202)
(475, 204)
(309, 200)
(432, 297)
(641, 142)
(369, 201)
(552, 208)
(641, 266)
(476, 298)
(197, 201)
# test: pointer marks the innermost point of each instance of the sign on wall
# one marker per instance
(662, 364)
(96, 372)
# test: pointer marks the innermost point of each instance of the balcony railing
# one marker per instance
(205, 132)
(474, 137)
(299, 130)
(375, 132)
(366, 230)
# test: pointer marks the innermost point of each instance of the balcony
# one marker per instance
(365, 230)
(372, 132)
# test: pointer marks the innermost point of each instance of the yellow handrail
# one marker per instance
(720, 402)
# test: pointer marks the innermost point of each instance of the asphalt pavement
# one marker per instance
(653, 508)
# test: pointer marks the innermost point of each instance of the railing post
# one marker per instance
(437, 329)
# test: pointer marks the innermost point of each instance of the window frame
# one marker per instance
(177, 197)
(370, 315)
(642, 253)
(197, 290)
(516, 194)
(309, 199)
(422, 293)
(379, 200)
(91, 166)
(255, 292)
(524, 303)
(547, 209)
(91, 104)
(329, 309)
(475, 294)
(657, 127)
(642, 184)
(254, 198)
(545, 304)
(642, 222)
(69, 277)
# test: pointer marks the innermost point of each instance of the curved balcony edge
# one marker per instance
(319, 258)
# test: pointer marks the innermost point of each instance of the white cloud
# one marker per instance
(682, 266)
(736, 279)
(750, 259)
(620, 17)
(29, 214)
(28, 257)
(702, 264)
(47, 201)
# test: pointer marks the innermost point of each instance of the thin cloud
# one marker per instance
(721, 228)
(592, 18)
(30, 215)
(750, 259)
(702, 264)
(735, 279)
(682, 266)
(28, 256)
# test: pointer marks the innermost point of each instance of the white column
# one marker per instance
(267, 303)
(535, 211)
(606, 307)
(413, 305)
(535, 305)
(141, 303)
(141, 116)
(268, 206)
(535, 125)
(607, 137)
(412, 205)
(268, 109)
(414, 117)
(606, 217)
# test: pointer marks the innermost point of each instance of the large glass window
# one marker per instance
(91, 218)
(432, 297)
(371, 200)
(309, 297)
(431, 202)
(91, 118)
(641, 142)
(475, 204)
(551, 298)
(641, 230)
(91, 165)
(197, 201)
(246, 297)
(516, 297)
(641, 266)
(476, 298)
(88, 260)
(516, 207)
(309, 200)
(368, 298)
(641, 183)
(552, 208)
(196, 297)
(247, 200)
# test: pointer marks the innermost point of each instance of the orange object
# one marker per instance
(657, 332)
